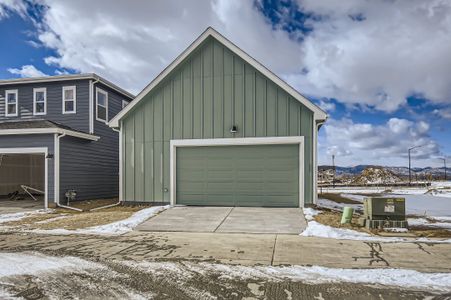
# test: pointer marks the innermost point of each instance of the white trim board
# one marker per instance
(49, 131)
(57, 78)
(35, 91)
(319, 114)
(15, 92)
(105, 93)
(174, 144)
(64, 100)
(34, 150)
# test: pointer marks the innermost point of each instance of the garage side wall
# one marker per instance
(211, 91)
(34, 141)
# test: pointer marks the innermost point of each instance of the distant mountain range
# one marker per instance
(399, 171)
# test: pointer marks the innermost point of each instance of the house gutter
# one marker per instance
(57, 174)
(317, 126)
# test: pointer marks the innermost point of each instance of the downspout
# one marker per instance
(57, 174)
(120, 173)
(91, 105)
(315, 160)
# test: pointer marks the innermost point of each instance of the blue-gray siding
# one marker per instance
(78, 121)
(34, 141)
(92, 167)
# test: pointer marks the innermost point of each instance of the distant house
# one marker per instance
(218, 128)
(54, 136)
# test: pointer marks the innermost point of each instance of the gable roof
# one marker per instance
(319, 114)
(41, 126)
(58, 78)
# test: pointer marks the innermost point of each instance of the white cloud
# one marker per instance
(399, 49)
(131, 42)
(386, 144)
(326, 105)
(27, 71)
(8, 6)
(444, 113)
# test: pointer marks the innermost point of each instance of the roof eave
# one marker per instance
(319, 114)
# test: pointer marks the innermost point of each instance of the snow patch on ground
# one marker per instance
(18, 216)
(337, 206)
(115, 228)
(312, 274)
(12, 264)
(310, 213)
(316, 229)
(428, 223)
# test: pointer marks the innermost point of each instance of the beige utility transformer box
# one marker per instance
(382, 212)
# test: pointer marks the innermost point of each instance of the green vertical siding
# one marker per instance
(209, 92)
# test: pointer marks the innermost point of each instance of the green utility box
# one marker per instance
(384, 212)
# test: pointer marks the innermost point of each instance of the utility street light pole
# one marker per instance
(444, 164)
(410, 170)
(333, 166)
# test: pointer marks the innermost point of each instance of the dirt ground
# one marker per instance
(178, 281)
(71, 219)
(333, 218)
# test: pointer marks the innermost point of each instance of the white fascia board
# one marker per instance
(49, 131)
(65, 78)
(319, 114)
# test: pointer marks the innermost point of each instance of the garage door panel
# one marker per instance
(257, 175)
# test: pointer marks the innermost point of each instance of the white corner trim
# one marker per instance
(319, 114)
(56, 168)
(99, 90)
(64, 100)
(174, 144)
(315, 161)
(49, 131)
(121, 168)
(7, 92)
(34, 150)
(39, 90)
(91, 105)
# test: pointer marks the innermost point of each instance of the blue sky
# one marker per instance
(380, 69)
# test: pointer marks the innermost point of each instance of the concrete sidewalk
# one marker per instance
(244, 249)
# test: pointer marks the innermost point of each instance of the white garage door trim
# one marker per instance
(34, 150)
(174, 144)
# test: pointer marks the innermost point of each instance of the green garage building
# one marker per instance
(218, 128)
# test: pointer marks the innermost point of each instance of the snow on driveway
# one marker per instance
(20, 215)
(35, 263)
(308, 274)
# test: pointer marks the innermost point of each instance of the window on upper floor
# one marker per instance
(69, 99)
(11, 99)
(124, 103)
(39, 101)
(101, 105)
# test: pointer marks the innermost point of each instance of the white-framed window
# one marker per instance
(11, 100)
(101, 105)
(39, 101)
(69, 99)
(124, 103)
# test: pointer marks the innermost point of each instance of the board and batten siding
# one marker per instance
(212, 90)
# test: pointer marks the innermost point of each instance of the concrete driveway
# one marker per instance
(228, 220)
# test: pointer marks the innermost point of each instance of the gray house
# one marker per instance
(54, 136)
(218, 128)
